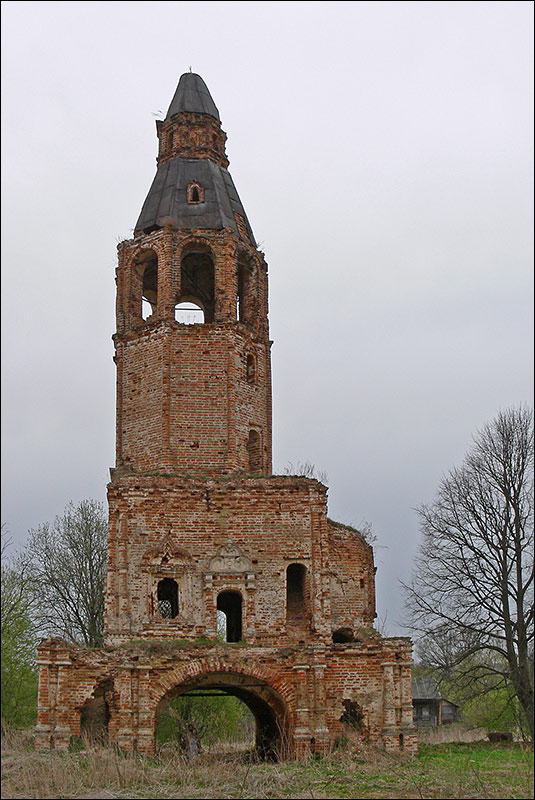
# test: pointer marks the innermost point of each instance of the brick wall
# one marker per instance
(272, 522)
(306, 691)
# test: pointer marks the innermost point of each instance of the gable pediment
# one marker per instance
(167, 555)
(229, 559)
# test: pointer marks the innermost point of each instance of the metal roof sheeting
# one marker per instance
(425, 689)
(166, 202)
(192, 95)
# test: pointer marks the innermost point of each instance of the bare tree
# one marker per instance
(472, 589)
(68, 567)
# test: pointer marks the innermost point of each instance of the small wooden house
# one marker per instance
(429, 707)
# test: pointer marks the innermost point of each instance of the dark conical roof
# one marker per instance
(192, 95)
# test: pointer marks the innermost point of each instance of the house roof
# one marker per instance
(425, 689)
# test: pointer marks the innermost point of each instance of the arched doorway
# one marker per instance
(265, 704)
(230, 603)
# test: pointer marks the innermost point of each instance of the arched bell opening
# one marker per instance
(265, 721)
(230, 604)
(197, 281)
(146, 268)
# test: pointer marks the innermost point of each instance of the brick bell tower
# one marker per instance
(200, 531)
(192, 399)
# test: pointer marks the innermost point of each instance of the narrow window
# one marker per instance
(245, 300)
(167, 598)
(230, 603)
(195, 193)
(254, 452)
(251, 369)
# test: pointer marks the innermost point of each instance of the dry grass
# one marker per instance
(478, 770)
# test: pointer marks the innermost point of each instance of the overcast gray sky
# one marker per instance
(383, 153)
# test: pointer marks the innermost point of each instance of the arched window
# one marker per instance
(254, 452)
(296, 594)
(197, 280)
(167, 598)
(230, 603)
(251, 369)
(195, 193)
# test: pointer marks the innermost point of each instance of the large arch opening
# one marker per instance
(264, 723)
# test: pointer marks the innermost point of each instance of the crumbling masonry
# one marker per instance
(197, 523)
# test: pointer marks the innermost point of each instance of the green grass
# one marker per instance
(459, 770)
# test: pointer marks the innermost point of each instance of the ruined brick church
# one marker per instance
(200, 530)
